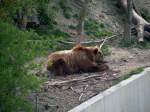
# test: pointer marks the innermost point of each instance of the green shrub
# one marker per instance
(15, 83)
(95, 29)
(18, 48)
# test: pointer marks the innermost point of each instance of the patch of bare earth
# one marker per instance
(61, 94)
(125, 60)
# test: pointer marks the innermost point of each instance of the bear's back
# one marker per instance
(53, 57)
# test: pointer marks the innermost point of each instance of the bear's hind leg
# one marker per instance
(61, 67)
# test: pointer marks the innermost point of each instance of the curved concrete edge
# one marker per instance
(115, 98)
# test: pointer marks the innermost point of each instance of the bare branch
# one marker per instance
(101, 45)
(90, 42)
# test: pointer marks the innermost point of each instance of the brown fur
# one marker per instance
(78, 59)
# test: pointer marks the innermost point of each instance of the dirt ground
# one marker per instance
(126, 60)
(63, 97)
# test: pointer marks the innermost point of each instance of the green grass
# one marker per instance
(135, 44)
(44, 46)
(145, 14)
(35, 66)
(67, 11)
(129, 74)
(135, 71)
(96, 29)
(145, 45)
(44, 41)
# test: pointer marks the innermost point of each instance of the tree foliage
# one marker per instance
(15, 82)
(14, 10)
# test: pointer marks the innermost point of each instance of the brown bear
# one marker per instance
(78, 59)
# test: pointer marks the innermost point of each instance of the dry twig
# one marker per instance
(80, 96)
(58, 83)
(83, 92)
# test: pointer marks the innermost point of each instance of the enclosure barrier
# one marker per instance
(131, 95)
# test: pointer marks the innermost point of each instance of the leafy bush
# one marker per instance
(15, 83)
(17, 48)
(95, 29)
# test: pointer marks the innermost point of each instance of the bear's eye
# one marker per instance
(95, 51)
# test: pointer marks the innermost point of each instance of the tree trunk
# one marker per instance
(128, 22)
(21, 19)
(141, 25)
(82, 15)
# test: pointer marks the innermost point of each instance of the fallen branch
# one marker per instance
(83, 92)
(89, 42)
(80, 96)
(58, 83)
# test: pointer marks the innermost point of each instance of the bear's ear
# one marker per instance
(78, 47)
(95, 50)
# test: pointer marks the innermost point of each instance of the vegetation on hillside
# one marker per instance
(67, 11)
(145, 14)
(17, 48)
(96, 29)
(15, 83)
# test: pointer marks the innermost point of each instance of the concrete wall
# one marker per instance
(131, 95)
